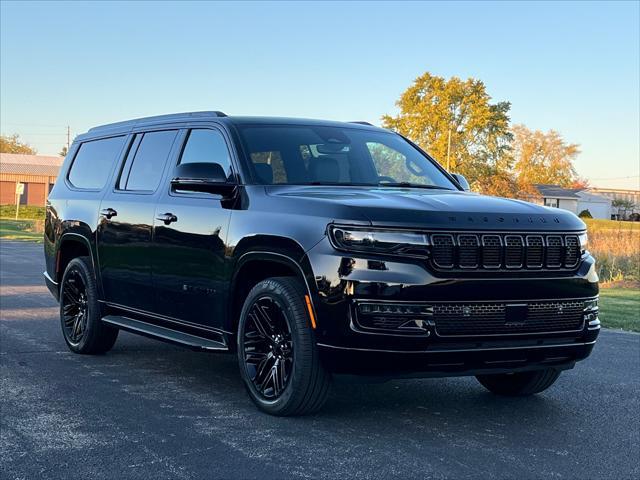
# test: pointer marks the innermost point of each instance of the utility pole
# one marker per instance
(68, 138)
(449, 149)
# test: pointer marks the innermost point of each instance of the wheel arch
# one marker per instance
(256, 265)
(72, 245)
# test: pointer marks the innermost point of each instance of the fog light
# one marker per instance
(394, 309)
(401, 318)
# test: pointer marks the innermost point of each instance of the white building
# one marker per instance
(597, 205)
(574, 200)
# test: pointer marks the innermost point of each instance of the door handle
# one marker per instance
(108, 213)
(167, 218)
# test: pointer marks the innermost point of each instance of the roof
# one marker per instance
(125, 126)
(556, 191)
(592, 197)
(44, 165)
(615, 190)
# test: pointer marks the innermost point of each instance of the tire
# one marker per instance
(281, 370)
(80, 315)
(519, 384)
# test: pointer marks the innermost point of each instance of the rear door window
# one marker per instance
(93, 162)
(143, 169)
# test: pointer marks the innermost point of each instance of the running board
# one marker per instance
(163, 333)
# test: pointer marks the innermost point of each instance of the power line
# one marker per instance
(32, 125)
(615, 178)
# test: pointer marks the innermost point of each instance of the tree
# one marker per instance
(455, 120)
(12, 144)
(544, 157)
(623, 206)
(63, 152)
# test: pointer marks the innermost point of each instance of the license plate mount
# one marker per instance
(516, 313)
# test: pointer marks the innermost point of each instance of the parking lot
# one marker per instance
(151, 410)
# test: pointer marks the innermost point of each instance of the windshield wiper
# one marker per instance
(343, 184)
(412, 185)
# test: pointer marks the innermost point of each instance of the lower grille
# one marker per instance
(469, 319)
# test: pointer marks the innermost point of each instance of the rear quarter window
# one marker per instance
(92, 164)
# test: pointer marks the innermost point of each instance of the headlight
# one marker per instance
(583, 242)
(370, 240)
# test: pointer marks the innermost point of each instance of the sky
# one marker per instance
(572, 67)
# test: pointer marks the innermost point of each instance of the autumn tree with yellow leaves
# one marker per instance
(458, 124)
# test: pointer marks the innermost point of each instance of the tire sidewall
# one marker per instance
(80, 266)
(297, 322)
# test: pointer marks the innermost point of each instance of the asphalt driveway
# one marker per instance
(151, 410)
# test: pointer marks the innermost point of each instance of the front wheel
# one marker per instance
(278, 357)
(519, 383)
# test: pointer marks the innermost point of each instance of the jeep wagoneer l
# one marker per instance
(311, 249)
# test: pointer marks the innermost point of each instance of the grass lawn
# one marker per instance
(27, 212)
(620, 308)
(594, 224)
(19, 230)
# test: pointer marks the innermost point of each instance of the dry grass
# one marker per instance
(616, 247)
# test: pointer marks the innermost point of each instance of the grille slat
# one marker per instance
(468, 251)
(555, 251)
(497, 251)
(535, 251)
(443, 250)
(469, 319)
(513, 251)
(572, 252)
(491, 251)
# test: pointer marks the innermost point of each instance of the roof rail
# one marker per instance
(159, 118)
(364, 123)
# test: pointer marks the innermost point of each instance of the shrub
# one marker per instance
(585, 214)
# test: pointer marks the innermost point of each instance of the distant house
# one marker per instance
(557, 197)
(597, 205)
(38, 173)
(632, 196)
(574, 200)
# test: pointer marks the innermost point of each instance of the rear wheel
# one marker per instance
(278, 357)
(519, 383)
(80, 317)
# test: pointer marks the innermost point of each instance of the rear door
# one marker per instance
(189, 250)
(126, 220)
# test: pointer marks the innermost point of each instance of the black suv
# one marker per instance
(312, 249)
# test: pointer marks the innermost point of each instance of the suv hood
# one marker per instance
(442, 209)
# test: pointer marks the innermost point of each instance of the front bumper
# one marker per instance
(342, 280)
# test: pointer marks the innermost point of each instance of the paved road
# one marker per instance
(150, 410)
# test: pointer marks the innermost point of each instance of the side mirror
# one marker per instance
(202, 177)
(461, 181)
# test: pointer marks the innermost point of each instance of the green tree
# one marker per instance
(12, 144)
(455, 119)
(623, 206)
(63, 152)
(546, 158)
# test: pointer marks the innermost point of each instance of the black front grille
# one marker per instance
(471, 251)
(470, 319)
(535, 251)
(443, 250)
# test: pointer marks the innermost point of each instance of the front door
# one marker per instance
(190, 232)
(126, 221)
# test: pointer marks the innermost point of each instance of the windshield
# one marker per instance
(322, 155)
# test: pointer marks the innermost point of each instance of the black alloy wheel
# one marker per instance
(75, 307)
(277, 352)
(80, 313)
(268, 348)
